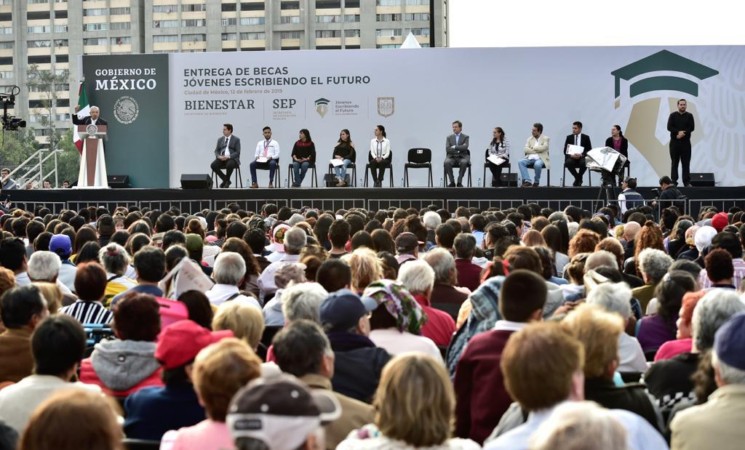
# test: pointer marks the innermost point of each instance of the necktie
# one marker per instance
(266, 148)
(457, 136)
(576, 140)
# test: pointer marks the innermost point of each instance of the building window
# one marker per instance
(121, 40)
(95, 12)
(40, 44)
(94, 41)
(60, 28)
(160, 39)
(328, 4)
(166, 24)
(417, 2)
(388, 32)
(165, 8)
(252, 21)
(121, 25)
(229, 36)
(423, 17)
(193, 38)
(228, 7)
(6, 74)
(62, 58)
(388, 17)
(37, 15)
(9, 30)
(253, 36)
(6, 45)
(6, 61)
(388, 46)
(420, 31)
(229, 22)
(388, 2)
(290, 5)
(352, 33)
(252, 6)
(321, 34)
(352, 4)
(327, 19)
(289, 19)
(120, 11)
(290, 34)
(195, 8)
(193, 23)
(351, 18)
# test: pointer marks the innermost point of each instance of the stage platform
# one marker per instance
(192, 200)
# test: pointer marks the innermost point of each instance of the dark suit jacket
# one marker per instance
(87, 120)
(461, 149)
(624, 145)
(584, 141)
(234, 146)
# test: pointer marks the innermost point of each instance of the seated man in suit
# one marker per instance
(94, 118)
(576, 163)
(456, 147)
(227, 154)
(536, 156)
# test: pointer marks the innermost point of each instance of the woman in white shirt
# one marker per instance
(498, 148)
(380, 155)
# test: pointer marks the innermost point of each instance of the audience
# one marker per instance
(423, 290)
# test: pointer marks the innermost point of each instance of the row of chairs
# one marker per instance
(417, 158)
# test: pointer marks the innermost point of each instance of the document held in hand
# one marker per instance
(336, 162)
(496, 160)
(575, 150)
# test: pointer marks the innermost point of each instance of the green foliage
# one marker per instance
(16, 146)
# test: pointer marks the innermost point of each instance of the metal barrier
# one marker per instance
(329, 204)
(190, 206)
(248, 205)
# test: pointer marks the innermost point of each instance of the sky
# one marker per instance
(546, 23)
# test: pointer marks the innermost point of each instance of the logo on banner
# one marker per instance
(322, 106)
(126, 110)
(668, 77)
(386, 106)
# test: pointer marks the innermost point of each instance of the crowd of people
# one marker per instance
(524, 328)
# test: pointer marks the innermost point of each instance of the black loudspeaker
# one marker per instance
(196, 181)
(508, 179)
(702, 179)
(118, 181)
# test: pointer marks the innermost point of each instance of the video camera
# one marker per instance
(8, 99)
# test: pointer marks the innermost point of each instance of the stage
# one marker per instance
(193, 200)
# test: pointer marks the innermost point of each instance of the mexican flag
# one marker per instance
(84, 111)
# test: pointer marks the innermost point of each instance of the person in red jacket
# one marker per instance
(127, 364)
(469, 274)
(479, 383)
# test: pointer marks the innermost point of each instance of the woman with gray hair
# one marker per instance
(616, 298)
(115, 261)
(669, 381)
(653, 265)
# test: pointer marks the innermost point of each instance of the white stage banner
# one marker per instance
(416, 94)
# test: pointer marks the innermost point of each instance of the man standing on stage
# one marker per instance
(680, 125)
(227, 154)
(94, 118)
(576, 162)
(457, 153)
(266, 157)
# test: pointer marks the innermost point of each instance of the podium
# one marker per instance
(92, 172)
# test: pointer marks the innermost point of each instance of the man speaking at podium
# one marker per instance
(94, 118)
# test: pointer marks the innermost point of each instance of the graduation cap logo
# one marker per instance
(674, 77)
(322, 106)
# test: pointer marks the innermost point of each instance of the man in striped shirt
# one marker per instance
(90, 284)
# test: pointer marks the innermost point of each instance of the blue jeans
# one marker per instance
(341, 171)
(298, 171)
(536, 164)
(271, 165)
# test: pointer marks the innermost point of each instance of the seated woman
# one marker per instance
(415, 404)
(380, 155)
(499, 147)
(619, 143)
(303, 156)
(343, 151)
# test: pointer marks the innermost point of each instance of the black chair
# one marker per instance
(486, 166)
(276, 182)
(564, 176)
(548, 177)
(140, 444)
(237, 175)
(418, 158)
(313, 179)
(389, 167)
(353, 176)
(468, 168)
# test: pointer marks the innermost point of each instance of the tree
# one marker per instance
(48, 83)
(16, 146)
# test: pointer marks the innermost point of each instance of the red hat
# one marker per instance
(719, 221)
(179, 343)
